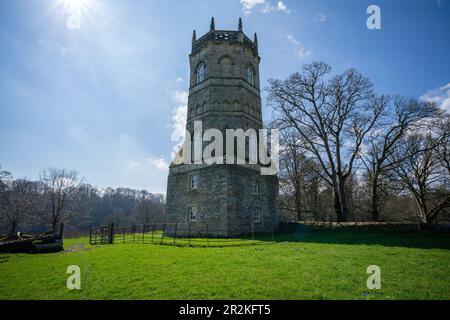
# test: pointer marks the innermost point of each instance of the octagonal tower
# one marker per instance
(224, 94)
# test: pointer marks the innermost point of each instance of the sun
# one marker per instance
(75, 10)
(76, 6)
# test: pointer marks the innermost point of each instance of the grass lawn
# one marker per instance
(319, 265)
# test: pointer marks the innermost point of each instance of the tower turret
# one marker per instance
(224, 79)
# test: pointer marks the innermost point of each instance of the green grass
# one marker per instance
(320, 265)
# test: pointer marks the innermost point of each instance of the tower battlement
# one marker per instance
(226, 36)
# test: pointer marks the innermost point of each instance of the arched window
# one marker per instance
(200, 73)
(250, 75)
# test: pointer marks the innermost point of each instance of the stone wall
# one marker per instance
(224, 198)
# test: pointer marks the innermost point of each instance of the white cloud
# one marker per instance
(318, 19)
(159, 164)
(280, 6)
(440, 96)
(248, 5)
(299, 48)
(179, 115)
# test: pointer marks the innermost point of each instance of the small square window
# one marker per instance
(256, 187)
(193, 181)
(256, 215)
(192, 214)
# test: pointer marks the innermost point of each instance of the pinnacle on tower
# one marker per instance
(255, 40)
(194, 36)
(213, 24)
(240, 25)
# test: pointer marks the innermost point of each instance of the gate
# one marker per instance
(102, 234)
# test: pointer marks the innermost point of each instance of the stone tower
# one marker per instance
(224, 94)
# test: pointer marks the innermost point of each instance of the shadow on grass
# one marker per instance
(301, 234)
(389, 239)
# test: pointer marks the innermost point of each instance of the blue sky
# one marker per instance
(107, 97)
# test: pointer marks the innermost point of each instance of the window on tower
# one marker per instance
(250, 74)
(192, 214)
(200, 73)
(193, 182)
(256, 215)
(255, 187)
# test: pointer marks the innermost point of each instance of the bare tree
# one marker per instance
(442, 129)
(422, 173)
(298, 176)
(148, 210)
(61, 190)
(18, 203)
(398, 119)
(332, 117)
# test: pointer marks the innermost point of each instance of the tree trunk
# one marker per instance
(54, 225)
(337, 202)
(13, 228)
(374, 199)
(422, 210)
(343, 200)
(298, 201)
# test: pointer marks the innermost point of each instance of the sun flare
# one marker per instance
(75, 5)
(76, 9)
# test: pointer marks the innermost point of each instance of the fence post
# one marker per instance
(111, 233)
(164, 230)
(207, 235)
(134, 233)
(175, 235)
(143, 232)
(253, 230)
(189, 235)
(153, 231)
(90, 235)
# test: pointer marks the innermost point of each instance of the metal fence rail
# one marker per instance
(102, 234)
(178, 234)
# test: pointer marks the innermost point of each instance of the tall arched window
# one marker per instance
(200, 72)
(250, 74)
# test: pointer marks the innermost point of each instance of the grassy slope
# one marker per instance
(324, 265)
